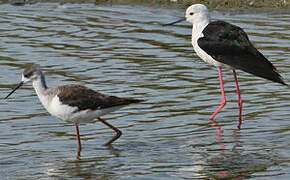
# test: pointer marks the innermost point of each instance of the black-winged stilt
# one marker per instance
(226, 46)
(73, 103)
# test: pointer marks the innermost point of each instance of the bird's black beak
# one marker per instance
(18, 86)
(180, 20)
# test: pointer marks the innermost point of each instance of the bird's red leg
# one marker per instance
(223, 95)
(119, 133)
(79, 141)
(240, 99)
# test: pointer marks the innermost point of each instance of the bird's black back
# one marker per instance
(229, 44)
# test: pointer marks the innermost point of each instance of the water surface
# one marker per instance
(123, 50)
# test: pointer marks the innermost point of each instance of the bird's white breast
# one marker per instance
(201, 53)
(70, 114)
(56, 108)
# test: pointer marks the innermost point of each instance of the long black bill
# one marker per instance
(169, 24)
(18, 86)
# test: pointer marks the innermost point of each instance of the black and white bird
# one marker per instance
(226, 46)
(73, 103)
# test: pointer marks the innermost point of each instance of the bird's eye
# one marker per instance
(27, 75)
(191, 13)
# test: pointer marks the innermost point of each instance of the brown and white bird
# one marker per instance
(74, 103)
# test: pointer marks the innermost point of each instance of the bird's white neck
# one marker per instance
(197, 29)
(39, 85)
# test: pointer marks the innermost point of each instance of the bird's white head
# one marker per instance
(31, 73)
(197, 13)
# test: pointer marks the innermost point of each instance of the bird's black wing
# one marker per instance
(229, 44)
(84, 98)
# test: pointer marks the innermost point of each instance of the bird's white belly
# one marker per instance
(87, 116)
(70, 114)
(59, 110)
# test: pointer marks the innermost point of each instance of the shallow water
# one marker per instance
(124, 51)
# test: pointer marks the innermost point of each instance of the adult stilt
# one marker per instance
(240, 99)
(223, 95)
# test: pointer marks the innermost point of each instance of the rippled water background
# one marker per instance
(123, 50)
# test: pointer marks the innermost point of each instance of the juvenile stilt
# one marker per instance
(71, 102)
(118, 132)
(79, 141)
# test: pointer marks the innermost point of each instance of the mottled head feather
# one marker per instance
(33, 73)
(31, 70)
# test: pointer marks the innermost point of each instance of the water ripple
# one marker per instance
(124, 51)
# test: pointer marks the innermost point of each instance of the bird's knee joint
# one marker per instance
(119, 133)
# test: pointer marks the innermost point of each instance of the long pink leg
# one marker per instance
(119, 133)
(79, 141)
(223, 95)
(240, 99)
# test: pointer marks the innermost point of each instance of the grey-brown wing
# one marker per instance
(84, 98)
